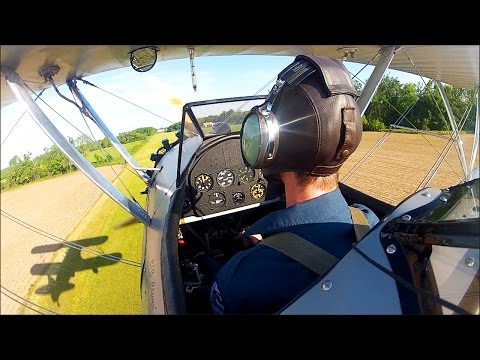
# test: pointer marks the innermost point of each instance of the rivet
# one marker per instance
(426, 194)
(443, 198)
(469, 261)
(391, 249)
(345, 153)
(406, 217)
(327, 285)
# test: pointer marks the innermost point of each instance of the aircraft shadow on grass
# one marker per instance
(59, 273)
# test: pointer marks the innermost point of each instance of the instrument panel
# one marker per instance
(220, 181)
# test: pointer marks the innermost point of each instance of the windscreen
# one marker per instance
(224, 117)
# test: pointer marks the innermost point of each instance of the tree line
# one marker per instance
(23, 170)
(420, 104)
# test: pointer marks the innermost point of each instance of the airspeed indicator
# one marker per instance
(203, 182)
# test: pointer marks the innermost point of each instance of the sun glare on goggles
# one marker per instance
(251, 139)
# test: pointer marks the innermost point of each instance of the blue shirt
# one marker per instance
(262, 280)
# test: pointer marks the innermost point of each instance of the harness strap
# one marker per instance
(302, 251)
(311, 256)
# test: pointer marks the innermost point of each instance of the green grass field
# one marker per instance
(132, 148)
(83, 283)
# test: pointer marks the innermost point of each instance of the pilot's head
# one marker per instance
(310, 122)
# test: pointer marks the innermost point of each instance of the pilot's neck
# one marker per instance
(295, 194)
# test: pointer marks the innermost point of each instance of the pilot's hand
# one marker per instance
(251, 240)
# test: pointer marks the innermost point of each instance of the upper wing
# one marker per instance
(457, 65)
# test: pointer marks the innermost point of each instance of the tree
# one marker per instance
(391, 100)
(174, 127)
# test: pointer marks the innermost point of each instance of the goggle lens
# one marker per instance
(251, 139)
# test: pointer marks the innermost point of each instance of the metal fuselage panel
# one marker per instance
(159, 198)
(356, 287)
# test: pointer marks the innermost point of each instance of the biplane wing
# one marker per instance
(457, 65)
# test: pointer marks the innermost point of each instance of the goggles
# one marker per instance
(260, 129)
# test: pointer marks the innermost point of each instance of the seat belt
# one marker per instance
(309, 255)
(302, 251)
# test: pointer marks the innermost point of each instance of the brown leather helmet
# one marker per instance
(312, 126)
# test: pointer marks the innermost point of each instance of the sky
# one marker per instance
(162, 91)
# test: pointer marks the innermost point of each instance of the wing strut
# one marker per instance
(386, 57)
(18, 87)
(90, 112)
(456, 134)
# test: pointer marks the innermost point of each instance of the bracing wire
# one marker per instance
(382, 140)
(80, 131)
(21, 116)
(247, 101)
(111, 166)
(67, 243)
(15, 298)
(410, 286)
(119, 97)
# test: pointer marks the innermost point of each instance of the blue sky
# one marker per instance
(163, 91)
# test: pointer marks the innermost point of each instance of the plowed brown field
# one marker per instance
(56, 206)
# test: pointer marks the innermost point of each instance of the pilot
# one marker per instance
(307, 127)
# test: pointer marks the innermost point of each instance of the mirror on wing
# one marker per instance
(143, 59)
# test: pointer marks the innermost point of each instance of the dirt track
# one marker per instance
(56, 205)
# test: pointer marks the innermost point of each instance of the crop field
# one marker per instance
(401, 163)
(70, 207)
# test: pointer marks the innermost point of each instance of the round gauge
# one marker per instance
(246, 174)
(257, 191)
(203, 182)
(225, 178)
(238, 197)
(216, 199)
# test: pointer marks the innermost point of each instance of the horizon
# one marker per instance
(163, 91)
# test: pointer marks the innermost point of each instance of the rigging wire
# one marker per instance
(80, 131)
(108, 92)
(429, 176)
(20, 118)
(102, 149)
(455, 134)
(247, 101)
(412, 287)
(25, 300)
(67, 243)
(371, 60)
(402, 116)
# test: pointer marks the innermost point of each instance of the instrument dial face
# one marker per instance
(225, 178)
(246, 174)
(216, 199)
(203, 182)
(257, 191)
(238, 197)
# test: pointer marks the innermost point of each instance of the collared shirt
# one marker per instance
(262, 280)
